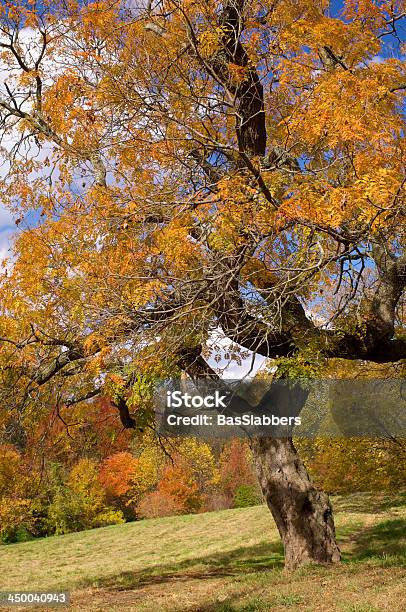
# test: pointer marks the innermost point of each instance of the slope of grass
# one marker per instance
(222, 561)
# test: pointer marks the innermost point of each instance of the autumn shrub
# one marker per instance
(16, 506)
(117, 477)
(15, 520)
(246, 496)
(178, 482)
(126, 479)
(217, 501)
(158, 504)
(117, 473)
(236, 468)
(186, 480)
(79, 500)
(199, 458)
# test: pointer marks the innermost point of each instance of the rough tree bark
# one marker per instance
(302, 514)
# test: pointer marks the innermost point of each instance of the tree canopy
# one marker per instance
(183, 167)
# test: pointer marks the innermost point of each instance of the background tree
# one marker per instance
(195, 167)
(236, 469)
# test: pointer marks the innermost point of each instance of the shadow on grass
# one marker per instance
(241, 560)
(385, 542)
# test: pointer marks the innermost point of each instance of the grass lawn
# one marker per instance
(221, 561)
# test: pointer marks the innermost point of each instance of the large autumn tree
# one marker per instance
(183, 167)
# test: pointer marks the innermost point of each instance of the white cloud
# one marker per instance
(5, 243)
(377, 59)
(5, 218)
(220, 346)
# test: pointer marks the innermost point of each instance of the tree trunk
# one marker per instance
(302, 514)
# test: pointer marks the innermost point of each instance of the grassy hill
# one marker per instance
(220, 561)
